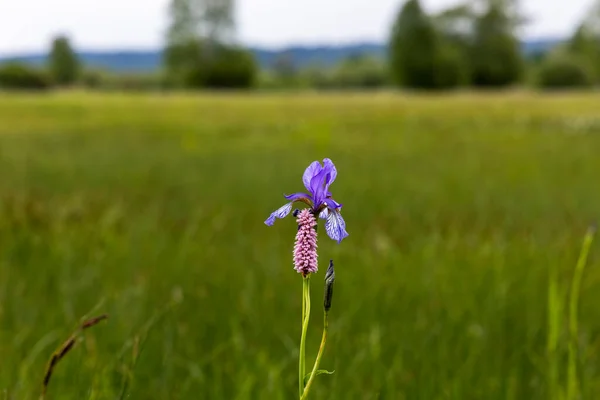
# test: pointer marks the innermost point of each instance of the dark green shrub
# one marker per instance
(360, 72)
(93, 79)
(564, 71)
(16, 76)
(133, 82)
(229, 68)
(198, 64)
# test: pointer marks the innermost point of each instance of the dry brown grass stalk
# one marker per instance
(65, 348)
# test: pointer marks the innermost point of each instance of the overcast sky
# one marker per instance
(28, 25)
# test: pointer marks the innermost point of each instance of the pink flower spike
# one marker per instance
(305, 249)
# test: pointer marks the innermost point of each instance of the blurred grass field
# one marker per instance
(151, 209)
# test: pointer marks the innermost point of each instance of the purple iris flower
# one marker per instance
(317, 179)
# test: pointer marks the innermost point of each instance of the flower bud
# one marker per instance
(329, 279)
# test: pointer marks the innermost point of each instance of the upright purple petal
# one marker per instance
(319, 184)
(313, 169)
(328, 165)
(318, 188)
(281, 212)
(336, 226)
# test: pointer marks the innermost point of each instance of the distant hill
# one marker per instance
(301, 56)
(540, 45)
(119, 61)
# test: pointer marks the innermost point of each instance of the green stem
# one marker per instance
(302, 360)
(554, 309)
(313, 373)
(305, 318)
(572, 380)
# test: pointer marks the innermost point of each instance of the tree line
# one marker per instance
(471, 44)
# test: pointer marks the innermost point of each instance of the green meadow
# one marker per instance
(466, 214)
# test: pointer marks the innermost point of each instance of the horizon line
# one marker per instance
(263, 47)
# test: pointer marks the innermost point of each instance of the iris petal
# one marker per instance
(313, 170)
(331, 203)
(298, 197)
(323, 214)
(281, 212)
(331, 170)
(336, 226)
(318, 188)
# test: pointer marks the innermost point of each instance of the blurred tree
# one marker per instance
(496, 58)
(207, 19)
(181, 60)
(217, 22)
(184, 22)
(200, 50)
(456, 26)
(585, 43)
(64, 65)
(582, 41)
(182, 52)
(514, 18)
(452, 68)
(427, 53)
(413, 46)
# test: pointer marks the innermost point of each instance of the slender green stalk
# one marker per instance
(305, 319)
(573, 381)
(313, 373)
(555, 307)
(302, 359)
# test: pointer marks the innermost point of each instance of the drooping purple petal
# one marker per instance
(313, 169)
(331, 203)
(323, 214)
(281, 212)
(328, 165)
(298, 197)
(336, 226)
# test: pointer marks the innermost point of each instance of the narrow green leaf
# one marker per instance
(317, 373)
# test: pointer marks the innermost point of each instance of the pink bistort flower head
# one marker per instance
(305, 249)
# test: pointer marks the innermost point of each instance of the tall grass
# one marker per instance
(573, 385)
(555, 311)
(458, 208)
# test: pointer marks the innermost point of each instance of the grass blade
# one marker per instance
(573, 387)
